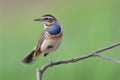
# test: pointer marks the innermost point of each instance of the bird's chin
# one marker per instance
(47, 23)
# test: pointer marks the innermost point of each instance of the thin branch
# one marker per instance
(108, 58)
(72, 60)
(38, 74)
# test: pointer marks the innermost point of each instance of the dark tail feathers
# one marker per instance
(29, 57)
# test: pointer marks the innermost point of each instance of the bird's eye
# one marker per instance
(46, 18)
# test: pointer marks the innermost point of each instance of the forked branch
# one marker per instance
(72, 60)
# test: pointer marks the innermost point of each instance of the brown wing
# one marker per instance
(35, 52)
(40, 41)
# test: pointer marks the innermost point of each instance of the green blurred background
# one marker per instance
(88, 25)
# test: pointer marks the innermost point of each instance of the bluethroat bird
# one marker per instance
(49, 40)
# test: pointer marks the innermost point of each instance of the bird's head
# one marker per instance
(47, 19)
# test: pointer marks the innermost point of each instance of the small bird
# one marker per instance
(49, 40)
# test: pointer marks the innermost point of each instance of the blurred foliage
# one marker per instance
(88, 25)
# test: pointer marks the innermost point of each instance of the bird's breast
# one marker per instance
(51, 42)
(54, 37)
(54, 29)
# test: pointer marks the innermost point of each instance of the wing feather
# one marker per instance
(40, 41)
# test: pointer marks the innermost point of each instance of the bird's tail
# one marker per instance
(33, 54)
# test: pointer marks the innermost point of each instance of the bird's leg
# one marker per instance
(50, 59)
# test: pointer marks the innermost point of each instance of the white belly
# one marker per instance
(54, 43)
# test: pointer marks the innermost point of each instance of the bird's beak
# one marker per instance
(37, 19)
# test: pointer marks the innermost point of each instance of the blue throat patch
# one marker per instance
(56, 29)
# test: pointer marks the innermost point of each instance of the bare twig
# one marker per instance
(39, 74)
(108, 58)
(72, 60)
